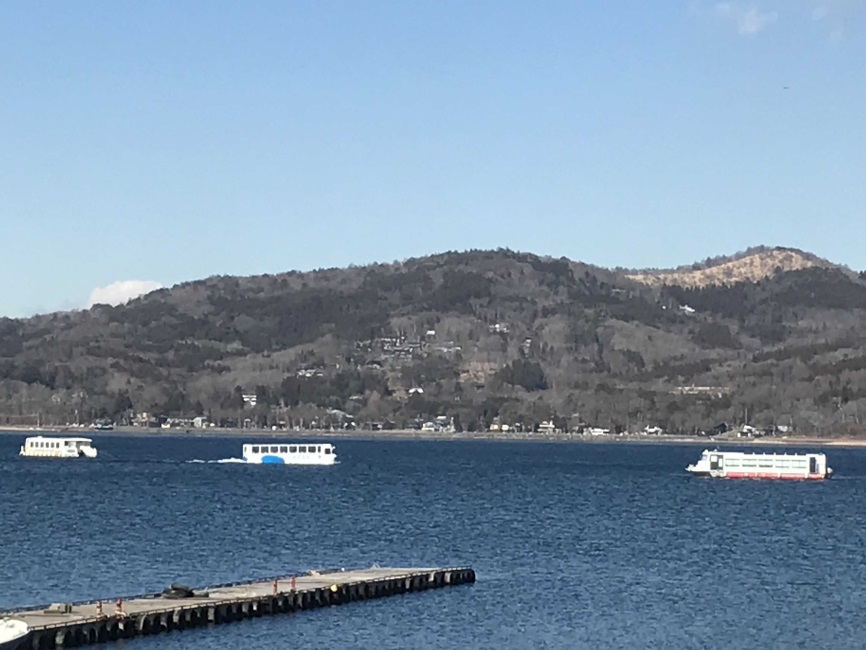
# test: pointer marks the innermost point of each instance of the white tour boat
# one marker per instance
(736, 464)
(45, 447)
(13, 634)
(290, 454)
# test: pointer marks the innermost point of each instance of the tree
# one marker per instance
(122, 404)
(235, 400)
(527, 374)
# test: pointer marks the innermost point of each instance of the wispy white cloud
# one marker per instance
(837, 14)
(751, 17)
(748, 20)
(121, 292)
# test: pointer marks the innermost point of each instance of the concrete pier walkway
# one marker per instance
(64, 625)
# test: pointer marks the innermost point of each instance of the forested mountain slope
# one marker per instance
(479, 336)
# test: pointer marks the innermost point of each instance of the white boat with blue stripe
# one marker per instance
(290, 454)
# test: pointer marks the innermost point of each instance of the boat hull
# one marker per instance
(15, 644)
(766, 476)
(14, 634)
(280, 460)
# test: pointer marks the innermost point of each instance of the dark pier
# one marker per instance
(76, 624)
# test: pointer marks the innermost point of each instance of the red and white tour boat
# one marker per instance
(737, 464)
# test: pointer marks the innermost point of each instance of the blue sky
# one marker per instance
(168, 141)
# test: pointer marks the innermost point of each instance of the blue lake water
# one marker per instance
(574, 545)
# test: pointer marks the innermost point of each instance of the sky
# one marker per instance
(143, 144)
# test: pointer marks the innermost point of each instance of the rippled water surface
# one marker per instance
(574, 545)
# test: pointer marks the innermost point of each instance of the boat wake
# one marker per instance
(221, 460)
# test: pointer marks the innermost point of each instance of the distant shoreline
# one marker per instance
(428, 436)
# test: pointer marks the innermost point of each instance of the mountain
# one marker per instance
(477, 337)
(752, 266)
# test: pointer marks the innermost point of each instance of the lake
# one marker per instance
(575, 545)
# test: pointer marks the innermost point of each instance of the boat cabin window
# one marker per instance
(327, 450)
(255, 449)
(302, 449)
(275, 449)
(284, 449)
(293, 449)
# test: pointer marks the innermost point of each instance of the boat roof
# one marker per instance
(282, 442)
(763, 453)
(73, 439)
